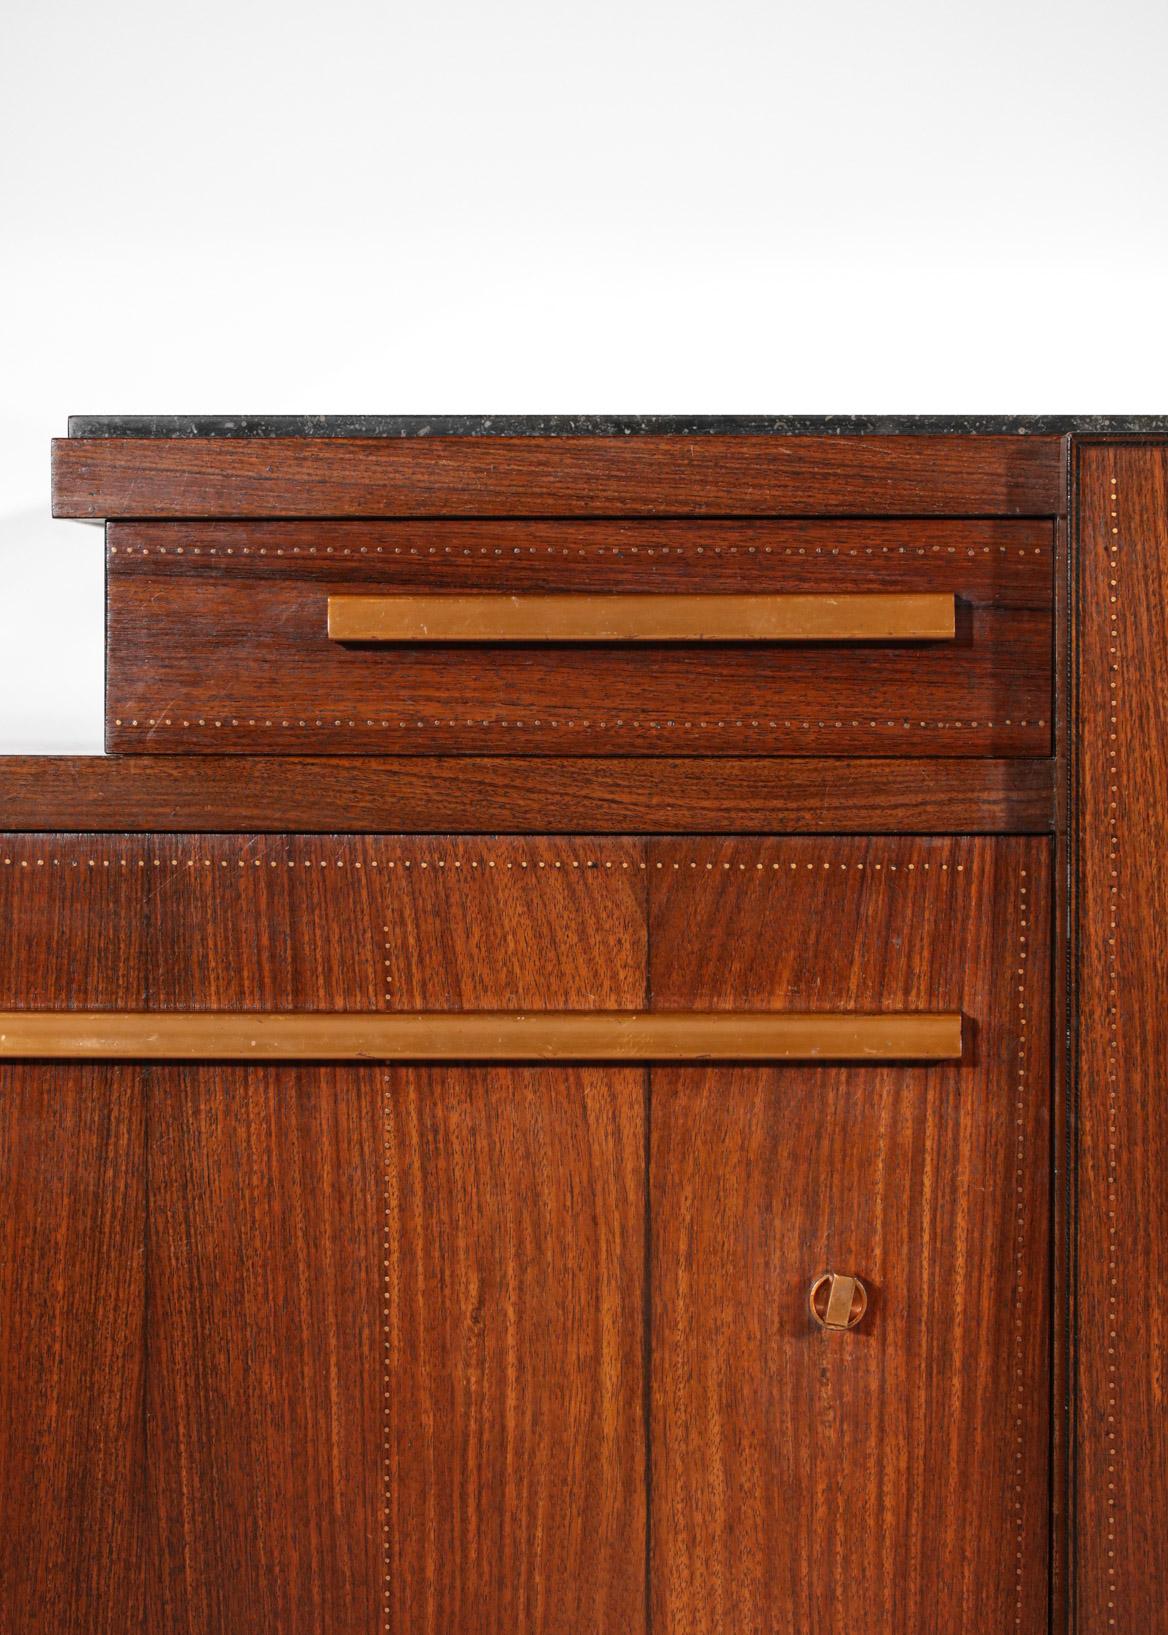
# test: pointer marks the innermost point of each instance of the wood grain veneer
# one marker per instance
(1121, 1523)
(487, 794)
(557, 476)
(321, 1346)
(72, 1377)
(441, 1272)
(895, 1477)
(387, 1318)
(219, 640)
(72, 1283)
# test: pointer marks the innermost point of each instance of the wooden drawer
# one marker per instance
(339, 1344)
(219, 637)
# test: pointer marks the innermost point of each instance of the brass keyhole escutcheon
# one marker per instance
(837, 1301)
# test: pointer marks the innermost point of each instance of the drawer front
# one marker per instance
(384, 1316)
(709, 637)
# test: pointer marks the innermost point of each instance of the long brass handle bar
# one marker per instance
(642, 617)
(483, 1036)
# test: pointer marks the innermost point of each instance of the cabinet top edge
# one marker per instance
(373, 425)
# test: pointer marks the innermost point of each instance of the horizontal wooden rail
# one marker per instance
(482, 476)
(641, 617)
(486, 1036)
(484, 794)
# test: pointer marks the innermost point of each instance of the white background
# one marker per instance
(604, 207)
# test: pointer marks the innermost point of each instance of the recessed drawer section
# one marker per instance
(585, 637)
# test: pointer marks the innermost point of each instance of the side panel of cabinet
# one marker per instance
(1121, 1551)
(894, 1477)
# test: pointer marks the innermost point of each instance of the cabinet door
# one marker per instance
(890, 1477)
(323, 1347)
(345, 1348)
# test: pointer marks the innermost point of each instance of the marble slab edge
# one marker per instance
(361, 425)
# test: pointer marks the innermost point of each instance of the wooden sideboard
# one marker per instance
(586, 1062)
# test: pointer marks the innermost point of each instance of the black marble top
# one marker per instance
(606, 425)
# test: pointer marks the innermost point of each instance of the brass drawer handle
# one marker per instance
(484, 1036)
(838, 1301)
(494, 617)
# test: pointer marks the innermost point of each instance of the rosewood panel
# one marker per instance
(557, 476)
(72, 1281)
(72, 1236)
(515, 1473)
(218, 640)
(264, 1337)
(1122, 958)
(514, 1250)
(894, 1477)
(546, 923)
(491, 794)
(189, 922)
(990, 562)
(387, 1319)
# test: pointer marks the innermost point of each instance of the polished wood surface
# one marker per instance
(391, 1316)
(72, 1263)
(218, 640)
(515, 1452)
(894, 1477)
(473, 1036)
(632, 1342)
(489, 794)
(557, 476)
(515, 1470)
(1121, 956)
(263, 1343)
(494, 616)
(72, 1285)
(992, 561)
(488, 1223)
